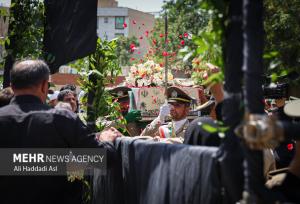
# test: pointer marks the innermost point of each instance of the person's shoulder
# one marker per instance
(6, 109)
(64, 113)
(53, 114)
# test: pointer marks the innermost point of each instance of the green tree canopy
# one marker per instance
(282, 45)
(125, 49)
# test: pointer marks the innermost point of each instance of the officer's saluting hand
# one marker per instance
(164, 111)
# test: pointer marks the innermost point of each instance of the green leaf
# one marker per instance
(271, 55)
(209, 128)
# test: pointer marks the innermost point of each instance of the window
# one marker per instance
(119, 21)
(105, 19)
(118, 34)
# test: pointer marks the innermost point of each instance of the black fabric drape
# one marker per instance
(107, 186)
(197, 135)
(70, 30)
(230, 152)
(161, 173)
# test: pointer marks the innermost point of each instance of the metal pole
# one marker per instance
(166, 53)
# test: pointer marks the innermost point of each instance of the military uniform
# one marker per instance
(131, 116)
(173, 129)
(156, 128)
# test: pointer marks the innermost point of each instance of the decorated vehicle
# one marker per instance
(148, 92)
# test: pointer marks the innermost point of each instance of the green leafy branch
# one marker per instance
(96, 72)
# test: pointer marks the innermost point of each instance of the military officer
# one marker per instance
(178, 107)
(132, 116)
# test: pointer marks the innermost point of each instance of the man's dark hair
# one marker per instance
(71, 87)
(64, 93)
(29, 73)
(5, 96)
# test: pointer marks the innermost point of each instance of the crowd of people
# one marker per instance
(27, 121)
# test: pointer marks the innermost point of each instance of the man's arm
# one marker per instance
(152, 128)
(75, 134)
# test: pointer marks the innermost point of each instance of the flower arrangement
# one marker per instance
(147, 74)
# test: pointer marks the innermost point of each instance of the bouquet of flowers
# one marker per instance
(147, 74)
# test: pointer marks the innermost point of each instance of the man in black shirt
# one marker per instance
(28, 123)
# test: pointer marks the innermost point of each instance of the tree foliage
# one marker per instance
(26, 29)
(25, 33)
(124, 49)
(282, 43)
(184, 21)
(96, 72)
(186, 16)
(207, 45)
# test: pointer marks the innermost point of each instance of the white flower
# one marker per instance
(146, 74)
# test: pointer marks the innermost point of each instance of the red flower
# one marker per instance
(180, 36)
(182, 42)
(146, 33)
(133, 21)
(290, 147)
(186, 35)
(132, 46)
(139, 52)
(154, 41)
(132, 58)
(164, 53)
(141, 38)
(125, 25)
(161, 35)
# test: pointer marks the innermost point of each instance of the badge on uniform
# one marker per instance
(174, 94)
(164, 131)
(120, 93)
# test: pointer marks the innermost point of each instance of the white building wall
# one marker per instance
(144, 22)
(107, 30)
(5, 3)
